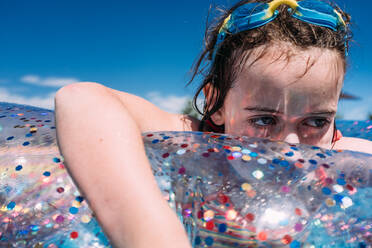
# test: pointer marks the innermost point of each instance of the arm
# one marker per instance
(103, 149)
(354, 144)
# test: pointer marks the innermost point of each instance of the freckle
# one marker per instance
(100, 139)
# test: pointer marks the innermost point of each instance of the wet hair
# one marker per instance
(220, 71)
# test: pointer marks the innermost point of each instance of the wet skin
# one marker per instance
(290, 98)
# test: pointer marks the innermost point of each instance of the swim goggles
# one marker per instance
(254, 15)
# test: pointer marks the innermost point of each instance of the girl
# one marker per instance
(271, 69)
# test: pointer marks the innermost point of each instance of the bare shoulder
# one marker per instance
(354, 144)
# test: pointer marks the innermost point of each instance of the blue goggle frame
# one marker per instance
(254, 15)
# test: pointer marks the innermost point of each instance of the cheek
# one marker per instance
(238, 125)
(314, 137)
(233, 111)
(234, 118)
(326, 140)
(230, 113)
(233, 124)
(254, 132)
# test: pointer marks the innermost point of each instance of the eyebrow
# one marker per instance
(263, 109)
(325, 112)
(271, 110)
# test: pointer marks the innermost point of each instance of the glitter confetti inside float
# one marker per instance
(282, 196)
(39, 204)
(228, 191)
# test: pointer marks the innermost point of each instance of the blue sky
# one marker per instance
(141, 47)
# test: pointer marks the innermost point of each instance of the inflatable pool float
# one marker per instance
(228, 191)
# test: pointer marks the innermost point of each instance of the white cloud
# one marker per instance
(48, 81)
(169, 103)
(357, 113)
(31, 79)
(43, 102)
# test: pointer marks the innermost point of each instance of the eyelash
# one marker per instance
(273, 121)
(253, 121)
(325, 122)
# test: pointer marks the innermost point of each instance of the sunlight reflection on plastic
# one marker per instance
(273, 217)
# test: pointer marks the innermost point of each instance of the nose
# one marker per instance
(292, 138)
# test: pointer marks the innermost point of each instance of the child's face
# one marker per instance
(291, 100)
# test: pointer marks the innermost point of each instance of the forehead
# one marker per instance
(280, 73)
(286, 64)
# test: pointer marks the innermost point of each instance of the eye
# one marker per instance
(263, 121)
(318, 122)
